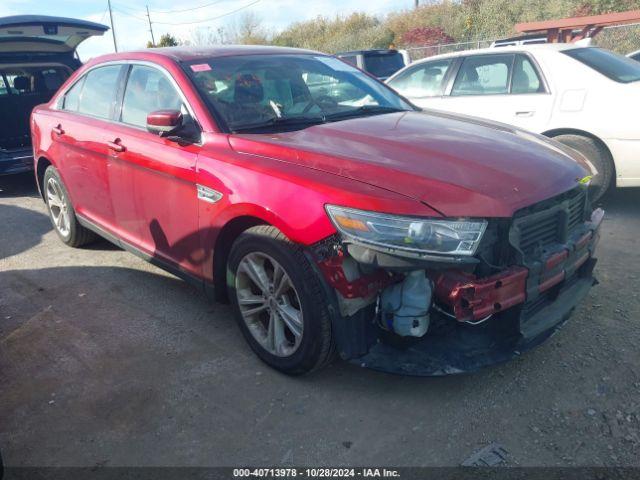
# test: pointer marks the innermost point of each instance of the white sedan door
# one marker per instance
(503, 87)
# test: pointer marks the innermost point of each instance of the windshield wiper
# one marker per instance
(363, 111)
(278, 122)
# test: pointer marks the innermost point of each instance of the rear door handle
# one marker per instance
(527, 113)
(116, 146)
(58, 130)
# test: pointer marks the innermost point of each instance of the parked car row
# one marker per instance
(336, 215)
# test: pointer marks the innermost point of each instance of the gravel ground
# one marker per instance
(107, 360)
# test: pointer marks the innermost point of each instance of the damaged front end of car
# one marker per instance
(441, 296)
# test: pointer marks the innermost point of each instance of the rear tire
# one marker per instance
(61, 212)
(284, 287)
(599, 156)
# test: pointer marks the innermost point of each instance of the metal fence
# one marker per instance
(622, 39)
(416, 53)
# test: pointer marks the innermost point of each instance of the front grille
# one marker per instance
(549, 222)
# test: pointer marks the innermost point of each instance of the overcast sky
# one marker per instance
(132, 31)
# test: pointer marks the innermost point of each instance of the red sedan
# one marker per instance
(333, 214)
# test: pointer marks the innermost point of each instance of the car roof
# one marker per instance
(189, 54)
(558, 47)
(531, 36)
(371, 50)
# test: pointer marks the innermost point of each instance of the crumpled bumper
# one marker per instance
(460, 348)
(495, 319)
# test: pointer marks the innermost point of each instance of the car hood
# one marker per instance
(459, 166)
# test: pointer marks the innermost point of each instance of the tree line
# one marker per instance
(438, 22)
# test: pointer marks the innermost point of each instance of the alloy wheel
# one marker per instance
(269, 304)
(59, 207)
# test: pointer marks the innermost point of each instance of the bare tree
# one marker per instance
(204, 36)
(249, 30)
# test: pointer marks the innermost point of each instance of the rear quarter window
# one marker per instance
(611, 65)
(72, 97)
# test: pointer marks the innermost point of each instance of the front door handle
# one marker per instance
(116, 146)
(528, 113)
(58, 130)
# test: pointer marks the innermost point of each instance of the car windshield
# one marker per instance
(616, 67)
(266, 93)
(383, 65)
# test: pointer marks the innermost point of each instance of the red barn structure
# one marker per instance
(567, 30)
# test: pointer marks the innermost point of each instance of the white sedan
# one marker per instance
(584, 97)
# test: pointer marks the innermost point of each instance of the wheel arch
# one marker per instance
(236, 218)
(222, 248)
(41, 166)
(575, 131)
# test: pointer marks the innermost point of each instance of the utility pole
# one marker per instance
(153, 40)
(113, 29)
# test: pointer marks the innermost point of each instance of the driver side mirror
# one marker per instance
(164, 122)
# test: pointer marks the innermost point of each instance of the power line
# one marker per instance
(121, 12)
(104, 14)
(190, 9)
(210, 19)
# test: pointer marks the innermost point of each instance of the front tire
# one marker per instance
(61, 212)
(599, 157)
(278, 302)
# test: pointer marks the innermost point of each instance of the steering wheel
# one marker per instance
(321, 102)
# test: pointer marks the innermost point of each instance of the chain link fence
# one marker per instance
(417, 53)
(622, 39)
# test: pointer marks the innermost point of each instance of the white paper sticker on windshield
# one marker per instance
(336, 64)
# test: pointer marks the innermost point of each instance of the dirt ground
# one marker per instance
(106, 360)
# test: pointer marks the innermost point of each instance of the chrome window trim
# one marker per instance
(160, 68)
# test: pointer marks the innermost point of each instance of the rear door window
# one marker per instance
(526, 78)
(99, 92)
(148, 90)
(483, 75)
(423, 80)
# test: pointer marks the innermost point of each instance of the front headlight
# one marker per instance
(421, 235)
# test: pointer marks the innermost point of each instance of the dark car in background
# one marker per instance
(379, 63)
(37, 55)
